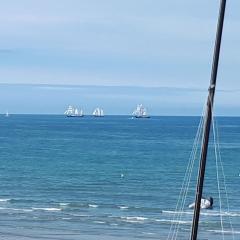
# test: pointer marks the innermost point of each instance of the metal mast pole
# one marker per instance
(207, 124)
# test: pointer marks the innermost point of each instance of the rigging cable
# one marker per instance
(219, 160)
(190, 175)
(217, 172)
(186, 177)
(185, 184)
(224, 181)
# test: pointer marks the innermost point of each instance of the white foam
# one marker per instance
(64, 204)
(99, 222)
(224, 231)
(17, 209)
(173, 221)
(134, 219)
(92, 205)
(207, 213)
(24, 210)
(231, 214)
(113, 224)
(148, 233)
(80, 215)
(48, 209)
(5, 199)
(177, 212)
(123, 207)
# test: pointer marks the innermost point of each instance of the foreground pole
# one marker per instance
(207, 123)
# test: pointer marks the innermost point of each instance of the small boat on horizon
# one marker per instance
(140, 112)
(98, 112)
(73, 112)
(7, 114)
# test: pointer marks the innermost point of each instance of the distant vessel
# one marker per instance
(98, 112)
(73, 112)
(7, 114)
(140, 112)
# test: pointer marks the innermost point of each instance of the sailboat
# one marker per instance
(7, 114)
(140, 112)
(98, 112)
(203, 137)
(73, 112)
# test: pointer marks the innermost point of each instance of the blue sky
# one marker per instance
(152, 44)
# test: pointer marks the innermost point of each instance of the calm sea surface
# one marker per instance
(108, 178)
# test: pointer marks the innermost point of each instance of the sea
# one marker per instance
(112, 178)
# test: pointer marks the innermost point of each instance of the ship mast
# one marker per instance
(207, 123)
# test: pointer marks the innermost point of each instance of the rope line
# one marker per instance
(190, 174)
(224, 182)
(179, 209)
(219, 160)
(185, 185)
(218, 181)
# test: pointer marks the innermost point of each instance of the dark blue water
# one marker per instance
(107, 178)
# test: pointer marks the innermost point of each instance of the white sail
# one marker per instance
(69, 111)
(98, 112)
(95, 112)
(73, 112)
(140, 112)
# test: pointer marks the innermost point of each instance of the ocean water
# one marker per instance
(108, 178)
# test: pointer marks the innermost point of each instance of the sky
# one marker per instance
(116, 54)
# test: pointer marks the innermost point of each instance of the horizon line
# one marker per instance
(115, 115)
(59, 85)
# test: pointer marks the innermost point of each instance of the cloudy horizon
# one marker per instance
(146, 44)
(115, 100)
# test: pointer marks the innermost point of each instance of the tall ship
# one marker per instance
(73, 112)
(98, 112)
(140, 112)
